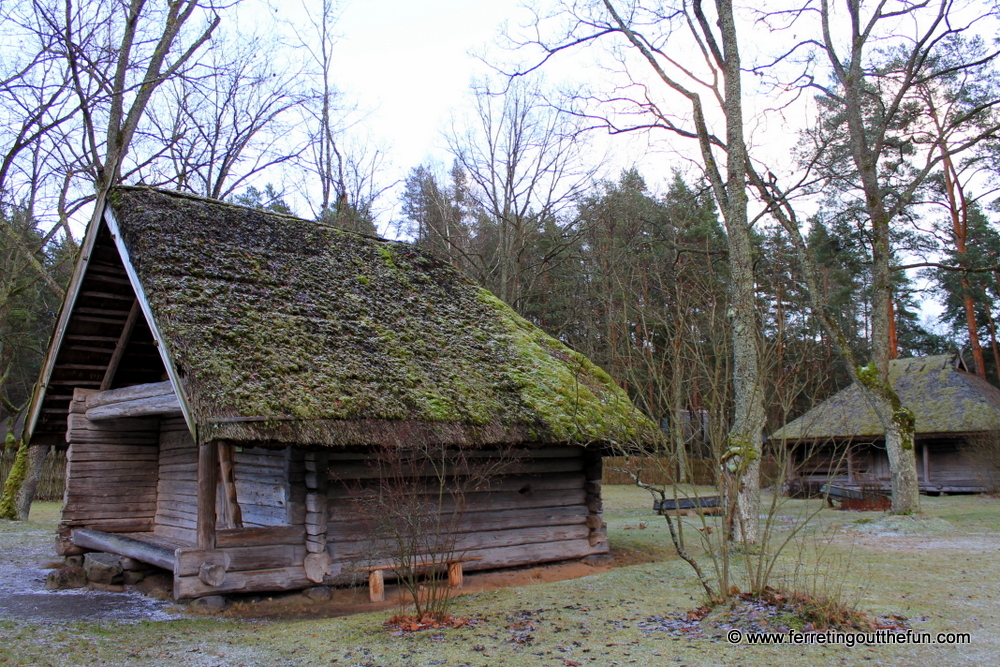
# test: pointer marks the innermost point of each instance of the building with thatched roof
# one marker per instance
(841, 440)
(225, 378)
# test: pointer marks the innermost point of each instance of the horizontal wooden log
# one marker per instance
(350, 528)
(113, 525)
(474, 502)
(89, 517)
(524, 483)
(358, 471)
(99, 495)
(277, 579)
(513, 453)
(464, 543)
(131, 438)
(123, 546)
(136, 392)
(262, 515)
(176, 522)
(174, 534)
(265, 496)
(131, 425)
(239, 537)
(142, 407)
(240, 558)
(110, 507)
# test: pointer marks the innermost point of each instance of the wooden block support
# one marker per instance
(455, 576)
(376, 586)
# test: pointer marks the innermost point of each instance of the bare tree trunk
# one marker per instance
(26, 494)
(745, 435)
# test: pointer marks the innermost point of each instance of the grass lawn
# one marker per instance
(941, 572)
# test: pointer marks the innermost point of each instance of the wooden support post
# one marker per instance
(850, 464)
(234, 516)
(456, 577)
(376, 586)
(208, 466)
(927, 465)
(116, 356)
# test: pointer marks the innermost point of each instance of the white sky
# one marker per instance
(409, 62)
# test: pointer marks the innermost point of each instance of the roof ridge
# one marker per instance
(222, 202)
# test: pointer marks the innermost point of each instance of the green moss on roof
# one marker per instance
(287, 321)
(942, 398)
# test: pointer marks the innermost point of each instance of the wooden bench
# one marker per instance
(707, 505)
(376, 576)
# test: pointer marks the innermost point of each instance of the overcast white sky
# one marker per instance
(410, 63)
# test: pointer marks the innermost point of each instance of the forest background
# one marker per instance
(625, 258)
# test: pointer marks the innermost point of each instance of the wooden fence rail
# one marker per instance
(53, 473)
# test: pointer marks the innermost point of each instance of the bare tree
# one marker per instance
(524, 166)
(225, 122)
(682, 97)
(117, 53)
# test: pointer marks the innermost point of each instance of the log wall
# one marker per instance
(545, 506)
(111, 473)
(177, 489)
(269, 486)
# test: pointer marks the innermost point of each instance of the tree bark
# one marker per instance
(745, 436)
(26, 494)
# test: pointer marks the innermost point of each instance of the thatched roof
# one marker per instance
(944, 398)
(288, 330)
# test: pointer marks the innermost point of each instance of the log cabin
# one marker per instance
(224, 378)
(841, 440)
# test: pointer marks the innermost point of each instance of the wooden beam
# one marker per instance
(132, 393)
(208, 467)
(143, 407)
(234, 516)
(123, 546)
(120, 346)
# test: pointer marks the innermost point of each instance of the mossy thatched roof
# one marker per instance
(295, 332)
(944, 399)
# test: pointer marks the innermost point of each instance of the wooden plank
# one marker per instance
(173, 533)
(120, 346)
(142, 407)
(139, 391)
(132, 438)
(238, 537)
(207, 481)
(265, 494)
(277, 579)
(124, 546)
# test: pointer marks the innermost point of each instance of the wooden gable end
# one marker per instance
(102, 342)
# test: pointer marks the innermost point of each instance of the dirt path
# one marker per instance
(25, 553)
